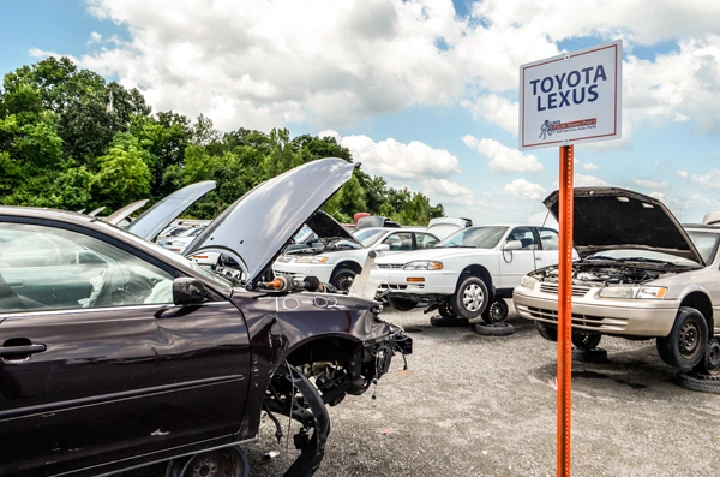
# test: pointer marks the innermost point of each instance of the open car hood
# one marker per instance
(158, 217)
(257, 226)
(118, 216)
(612, 218)
(325, 227)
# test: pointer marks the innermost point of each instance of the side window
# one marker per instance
(399, 241)
(525, 235)
(425, 240)
(51, 268)
(548, 239)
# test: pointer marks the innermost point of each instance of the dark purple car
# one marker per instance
(116, 353)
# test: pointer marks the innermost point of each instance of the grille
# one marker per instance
(586, 321)
(578, 291)
(392, 287)
(390, 265)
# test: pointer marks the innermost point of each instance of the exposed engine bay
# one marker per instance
(611, 272)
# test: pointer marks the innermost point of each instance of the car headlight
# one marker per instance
(651, 292)
(528, 282)
(285, 259)
(312, 259)
(632, 292)
(423, 265)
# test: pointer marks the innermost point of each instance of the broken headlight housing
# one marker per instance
(632, 292)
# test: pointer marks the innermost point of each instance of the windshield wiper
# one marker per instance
(456, 246)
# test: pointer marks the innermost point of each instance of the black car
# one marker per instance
(116, 353)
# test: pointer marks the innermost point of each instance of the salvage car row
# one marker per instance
(118, 352)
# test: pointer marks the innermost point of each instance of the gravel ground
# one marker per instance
(473, 405)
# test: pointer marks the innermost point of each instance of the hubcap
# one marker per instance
(345, 282)
(473, 298)
(688, 339)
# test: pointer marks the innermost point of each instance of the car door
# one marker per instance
(398, 242)
(548, 252)
(120, 372)
(516, 263)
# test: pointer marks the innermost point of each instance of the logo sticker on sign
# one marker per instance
(571, 98)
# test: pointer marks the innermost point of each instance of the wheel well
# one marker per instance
(701, 302)
(354, 266)
(480, 272)
(323, 349)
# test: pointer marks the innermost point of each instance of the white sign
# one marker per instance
(571, 98)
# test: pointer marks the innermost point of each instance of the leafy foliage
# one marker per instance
(71, 140)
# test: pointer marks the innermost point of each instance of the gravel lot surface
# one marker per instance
(473, 405)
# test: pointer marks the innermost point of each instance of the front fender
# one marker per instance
(278, 324)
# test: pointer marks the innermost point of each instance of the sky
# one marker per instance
(422, 92)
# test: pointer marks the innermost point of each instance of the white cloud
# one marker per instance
(584, 180)
(589, 166)
(683, 174)
(495, 109)
(503, 158)
(657, 163)
(711, 179)
(331, 64)
(523, 188)
(95, 37)
(661, 196)
(444, 191)
(329, 133)
(650, 183)
(396, 160)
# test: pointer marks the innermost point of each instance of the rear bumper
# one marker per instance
(631, 317)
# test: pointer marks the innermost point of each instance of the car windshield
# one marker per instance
(474, 237)
(367, 237)
(706, 244)
(172, 257)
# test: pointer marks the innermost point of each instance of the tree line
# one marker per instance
(71, 140)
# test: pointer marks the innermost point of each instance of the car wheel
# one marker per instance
(343, 279)
(447, 310)
(710, 364)
(585, 340)
(470, 298)
(402, 304)
(686, 344)
(230, 462)
(548, 332)
(495, 329)
(698, 382)
(497, 312)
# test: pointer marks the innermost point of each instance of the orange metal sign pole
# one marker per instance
(565, 212)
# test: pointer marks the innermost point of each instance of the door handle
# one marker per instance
(10, 351)
(537, 259)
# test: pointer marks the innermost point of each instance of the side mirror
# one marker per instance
(383, 247)
(513, 245)
(188, 291)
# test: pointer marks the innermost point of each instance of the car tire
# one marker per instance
(470, 298)
(342, 279)
(698, 382)
(401, 304)
(496, 312)
(496, 329)
(583, 340)
(710, 364)
(448, 322)
(690, 328)
(548, 332)
(589, 355)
